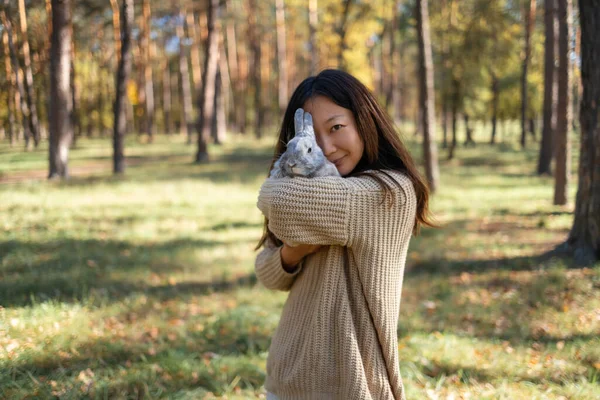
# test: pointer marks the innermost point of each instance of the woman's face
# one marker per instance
(336, 133)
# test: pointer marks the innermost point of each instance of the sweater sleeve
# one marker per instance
(326, 210)
(269, 269)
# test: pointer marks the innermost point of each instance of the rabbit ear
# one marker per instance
(308, 125)
(299, 122)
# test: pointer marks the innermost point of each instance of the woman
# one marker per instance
(337, 338)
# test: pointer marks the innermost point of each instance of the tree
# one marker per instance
(313, 20)
(61, 106)
(427, 95)
(282, 56)
(209, 78)
(529, 24)
(123, 72)
(563, 109)
(584, 238)
(545, 157)
(34, 125)
(146, 48)
(255, 68)
(186, 91)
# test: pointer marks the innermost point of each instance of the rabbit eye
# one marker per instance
(310, 149)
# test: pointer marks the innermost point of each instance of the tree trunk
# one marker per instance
(34, 124)
(234, 75)
(495, 100)
(455, 99)
(255, 69)
(219, 124)
(584, 238)
(468, 131)
(186, 91)
(313, 20)
(342, 30)
(563, 114)
(123, 72)
(61, 106)
(549, 119)
(192, 34)
(529, 25)
(12, 131)
(167, 104)
(206, 103)
(16, 67)
(427, 101)
(281, 57)
(148, 83)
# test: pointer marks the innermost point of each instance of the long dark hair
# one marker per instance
(383, 148)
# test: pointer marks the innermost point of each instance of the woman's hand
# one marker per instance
(291, 256)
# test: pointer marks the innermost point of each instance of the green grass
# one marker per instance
(143, 285)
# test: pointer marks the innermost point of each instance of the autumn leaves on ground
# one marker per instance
(143, 286)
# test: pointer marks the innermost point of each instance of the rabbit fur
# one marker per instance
(303, 157)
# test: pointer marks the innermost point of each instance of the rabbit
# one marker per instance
(303, 157)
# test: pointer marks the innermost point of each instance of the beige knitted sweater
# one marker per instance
(337, 336)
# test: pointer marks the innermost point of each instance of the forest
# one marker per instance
(134, 136)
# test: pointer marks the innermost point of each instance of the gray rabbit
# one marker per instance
(303, 156)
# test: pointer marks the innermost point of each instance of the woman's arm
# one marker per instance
(328, 210)
(270, 270)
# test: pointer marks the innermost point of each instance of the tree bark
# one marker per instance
(549, 118)
(468, 131)
(584, 238)
(148, 83)
(342, 30)
(16, 67)
(206, 103)
(234, 74)
(192, 33)
(186, 91)
(455, 100)
(427, 101)
(34, 124)
(61, 106)
(282, 57)
(255, 69)
(313, 20)
(495, 100)
(529, 25)
(563, 112)
(167, 104)
(12, 131)
(123, 72)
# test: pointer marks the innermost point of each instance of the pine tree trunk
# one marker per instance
(342, 30)
(495, 100)
(282, 57)
(232, 62)
(34, 124)
(529, 25)
(584, 238)
(427, 101)
(167, 104)
(313, 20)
(549, 119)
(61, 107)
(255, 69)
(206, 103)
(455, 100)
(16, 67)
(12, 131)
(186, 90)
(148, 83)
(468, 131)
(192, 34)
(563, 114)
(219, 123)
(123, 73)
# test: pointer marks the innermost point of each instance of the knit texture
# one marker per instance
(337, 336)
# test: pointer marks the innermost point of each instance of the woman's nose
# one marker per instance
(327, 146)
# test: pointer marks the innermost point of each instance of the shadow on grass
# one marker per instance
(72, 270)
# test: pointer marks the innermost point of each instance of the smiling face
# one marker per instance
(336, 133)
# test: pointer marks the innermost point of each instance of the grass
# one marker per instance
(143, 285)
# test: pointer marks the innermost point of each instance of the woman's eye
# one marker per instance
(336, 127)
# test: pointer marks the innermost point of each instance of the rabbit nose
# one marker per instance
(291, 164)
